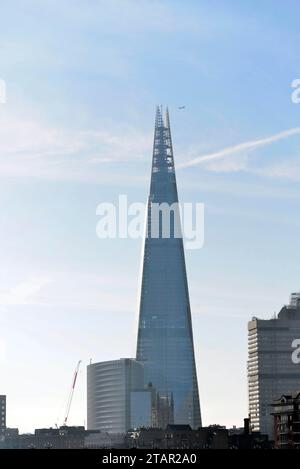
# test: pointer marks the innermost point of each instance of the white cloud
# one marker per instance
(289, 169)
(232, 163)
(132, 16)
(31, 149)
(242, 147)
(72, 291)
(86, 291)
(24, 293)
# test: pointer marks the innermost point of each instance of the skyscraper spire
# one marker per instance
(162, 148)
(165, 337)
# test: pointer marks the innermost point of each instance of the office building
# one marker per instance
(109, 386)
(273, 363)
(165, 336)
(160, 387)
(2, 416)
(141, 408)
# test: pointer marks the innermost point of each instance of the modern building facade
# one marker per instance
(286, 413)
(165, 336)
(2, 416)
(109, 386)
(141, 405)
(273, 364)
(150, 410)
(118, 400)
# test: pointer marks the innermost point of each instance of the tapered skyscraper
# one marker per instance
(165, 336)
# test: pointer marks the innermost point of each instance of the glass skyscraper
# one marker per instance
(165, 336)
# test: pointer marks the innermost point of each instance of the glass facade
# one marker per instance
(165, 338)
(141, 408)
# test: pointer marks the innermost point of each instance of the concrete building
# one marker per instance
(109, 386)
(2, 416)
(273, 363)
(286, 413)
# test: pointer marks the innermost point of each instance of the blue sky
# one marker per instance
(83, 79)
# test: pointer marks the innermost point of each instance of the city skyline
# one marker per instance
(76, 130)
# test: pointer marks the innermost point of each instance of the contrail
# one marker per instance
(242, 146)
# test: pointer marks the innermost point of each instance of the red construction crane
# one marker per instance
(71, 394)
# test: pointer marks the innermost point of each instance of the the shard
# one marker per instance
(165, 336)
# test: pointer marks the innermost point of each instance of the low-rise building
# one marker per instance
(48, 438)
(105, 440)
(286, 413)
(179, 437)
(246, 438)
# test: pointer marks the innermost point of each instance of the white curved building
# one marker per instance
(109, 386)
